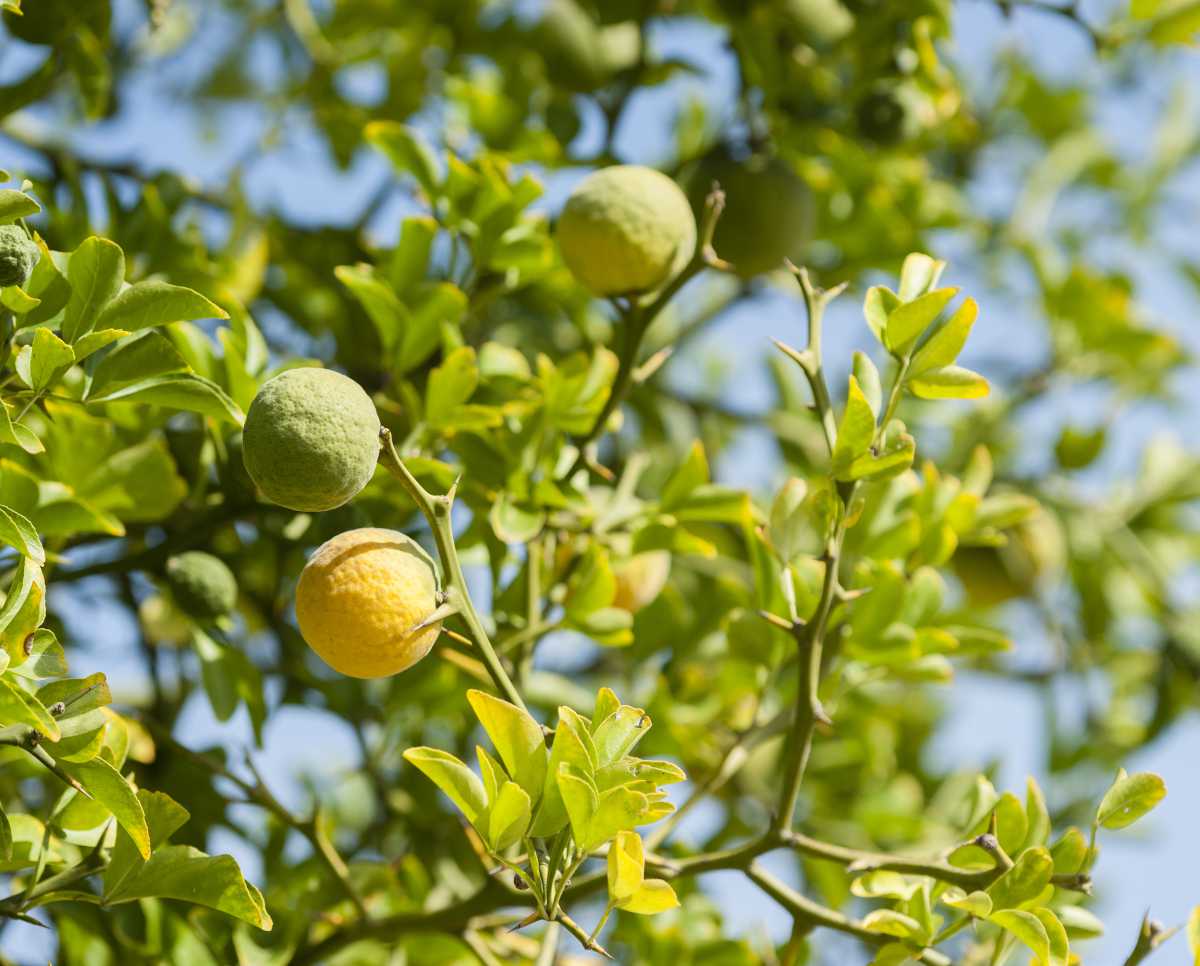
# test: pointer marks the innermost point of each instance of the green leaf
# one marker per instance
(17, 532)
(949, 382)
(378, 300)
(1027, 927)
(1037, 814)
(1056, 937)
(855, 431)
(153, 303)
(976, 903)
(1080, 923)
(889, 922)
(6, 836)
(690, 474)
(573, 746)
(43, 362)
(1069, 852)
(453, 777)
(518, 740)
(882, 883)
(408, 151)
(617, 810)
(436, 306)
(513, 523)
(95, 270)
(410, 258)
(106, 786)
(919, 274)
(879, 303)
(943, 347)
(1193, 935)
(1024, 882)
(95, 341)
(892, 459)
(16, 204)
(626, 866)
(580, 799)
(1130, 797)
(491, 771)
(184, 873)
(868, 380)
(508, 817)
(652, 897)
(450, 385)
(18, 434)
(908, 321)
(178, 390)
(618, 733)
(19, 707)
(164, 816)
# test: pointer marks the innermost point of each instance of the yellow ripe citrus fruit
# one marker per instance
(359, 598)
(768, 211)
(626, 230)
(311, 439)
(640, 579)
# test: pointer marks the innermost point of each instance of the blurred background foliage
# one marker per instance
(846, 134)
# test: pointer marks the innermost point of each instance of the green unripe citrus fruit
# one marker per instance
(162, 623)
(580, 54)
(201, 584)
(768, 211)
(626, 230)
(819, 21)
(883, 116)
(311, 439)
(360, 601)
(18, 255)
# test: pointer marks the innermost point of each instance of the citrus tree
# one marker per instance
(443, 471)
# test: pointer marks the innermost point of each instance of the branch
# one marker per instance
(807, 911)
(257, 793)
(436, 510)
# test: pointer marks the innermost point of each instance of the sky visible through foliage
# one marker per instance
(988, 718)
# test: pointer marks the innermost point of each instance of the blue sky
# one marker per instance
(1147, 867)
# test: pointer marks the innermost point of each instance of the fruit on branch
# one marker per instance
(362, 602)
(768, 211)
(580, 54)
(1034, 555)
(202, 585)
(818, 21)
(311, 439)
(640, 579)
(885, 116)
(626, 230)
(18, 255)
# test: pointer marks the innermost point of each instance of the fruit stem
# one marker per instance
(436, 510)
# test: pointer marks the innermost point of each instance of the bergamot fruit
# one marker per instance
(360, 601)
(626, 230)
(202, 585)
(311, 439)
(640, 579)
(18, 254)
(768, 211)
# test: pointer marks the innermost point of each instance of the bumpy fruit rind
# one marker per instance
(311, 439)
(201, 584)
(361, 597)
(18, 255)
(626, 230)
